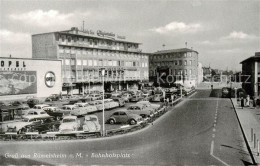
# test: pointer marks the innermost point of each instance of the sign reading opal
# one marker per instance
(50, 79)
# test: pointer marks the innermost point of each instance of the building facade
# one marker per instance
(251, 75)
(85, 52)
(22, 77)
(176, 65)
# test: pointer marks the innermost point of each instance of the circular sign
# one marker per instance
(50, 79)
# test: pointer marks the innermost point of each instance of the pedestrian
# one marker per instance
(254, 102)
(247, 101)
(242, 102)
(167, 101)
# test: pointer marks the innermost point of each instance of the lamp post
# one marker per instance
(103, 112)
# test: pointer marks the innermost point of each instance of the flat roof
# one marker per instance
(251, 59)
(83, 34)
(174, 51)
(42, 59)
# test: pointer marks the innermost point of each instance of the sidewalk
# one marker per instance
(250, 121)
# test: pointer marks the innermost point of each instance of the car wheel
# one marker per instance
(111, 121)
(58, 118)
(132, 122)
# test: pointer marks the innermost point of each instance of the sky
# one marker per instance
(224, 32)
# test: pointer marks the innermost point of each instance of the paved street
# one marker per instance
(202, 130)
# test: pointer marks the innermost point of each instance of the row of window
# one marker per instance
(175, 62)
(176, 72)
(91, 41)
(85, 51)
(91, 62)
(173, 55)
(91, 74)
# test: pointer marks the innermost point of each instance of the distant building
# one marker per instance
(206, 73)
(85, 52)
(200, 73)
(251, 75)
(176, 65)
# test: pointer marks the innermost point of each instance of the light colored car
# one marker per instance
(112, 103)
(98, 104)
(69, 107)
(126, 97)
(95, 96)
(69, 123)
(147, 104)
(140, 110)
(91, 124)
(83, 109)
(40, 106)
(157, 98)
(124, 117)
(106, 104)
(36, 113)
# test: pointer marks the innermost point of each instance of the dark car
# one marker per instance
(226, 92)
(32, 102)
(20, 105)
(44, 125)
(56, 112)
(53, 97)
(136, 98)
(120, 101)
(124, 117)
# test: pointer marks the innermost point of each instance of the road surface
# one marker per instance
(201, 130)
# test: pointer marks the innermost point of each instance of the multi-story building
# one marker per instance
(85, 52)
(251, 75)
(175, 65)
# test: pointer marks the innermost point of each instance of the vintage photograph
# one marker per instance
(130, 82)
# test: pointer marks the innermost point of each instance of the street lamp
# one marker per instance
(103, 75)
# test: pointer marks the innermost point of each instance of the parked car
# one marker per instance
(94, 97)
(141, 110)
(107, 105)
(112, 104)
(107, 95)
(56, 112)
(147, 104)
(91, 124)
(97, 104)
(157, 98)
(36, 113)
(136, 98)
(54, 97)
(44, 125)
(69, 107)
(69, 123)
(40, 106)
(32, 102)
(120, 101)
(124, 117)
(83, 109)
(21, 105)
(126, 96)
(20, 126)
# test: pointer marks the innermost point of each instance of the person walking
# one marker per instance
(242, 102)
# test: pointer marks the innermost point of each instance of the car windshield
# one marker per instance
(42, 113)
(68, 120)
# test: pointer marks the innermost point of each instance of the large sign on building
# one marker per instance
(18, 82)
(29, 76)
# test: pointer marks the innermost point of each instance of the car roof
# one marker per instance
(136, 105)
(70, 117)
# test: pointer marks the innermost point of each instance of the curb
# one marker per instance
(244, 136)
